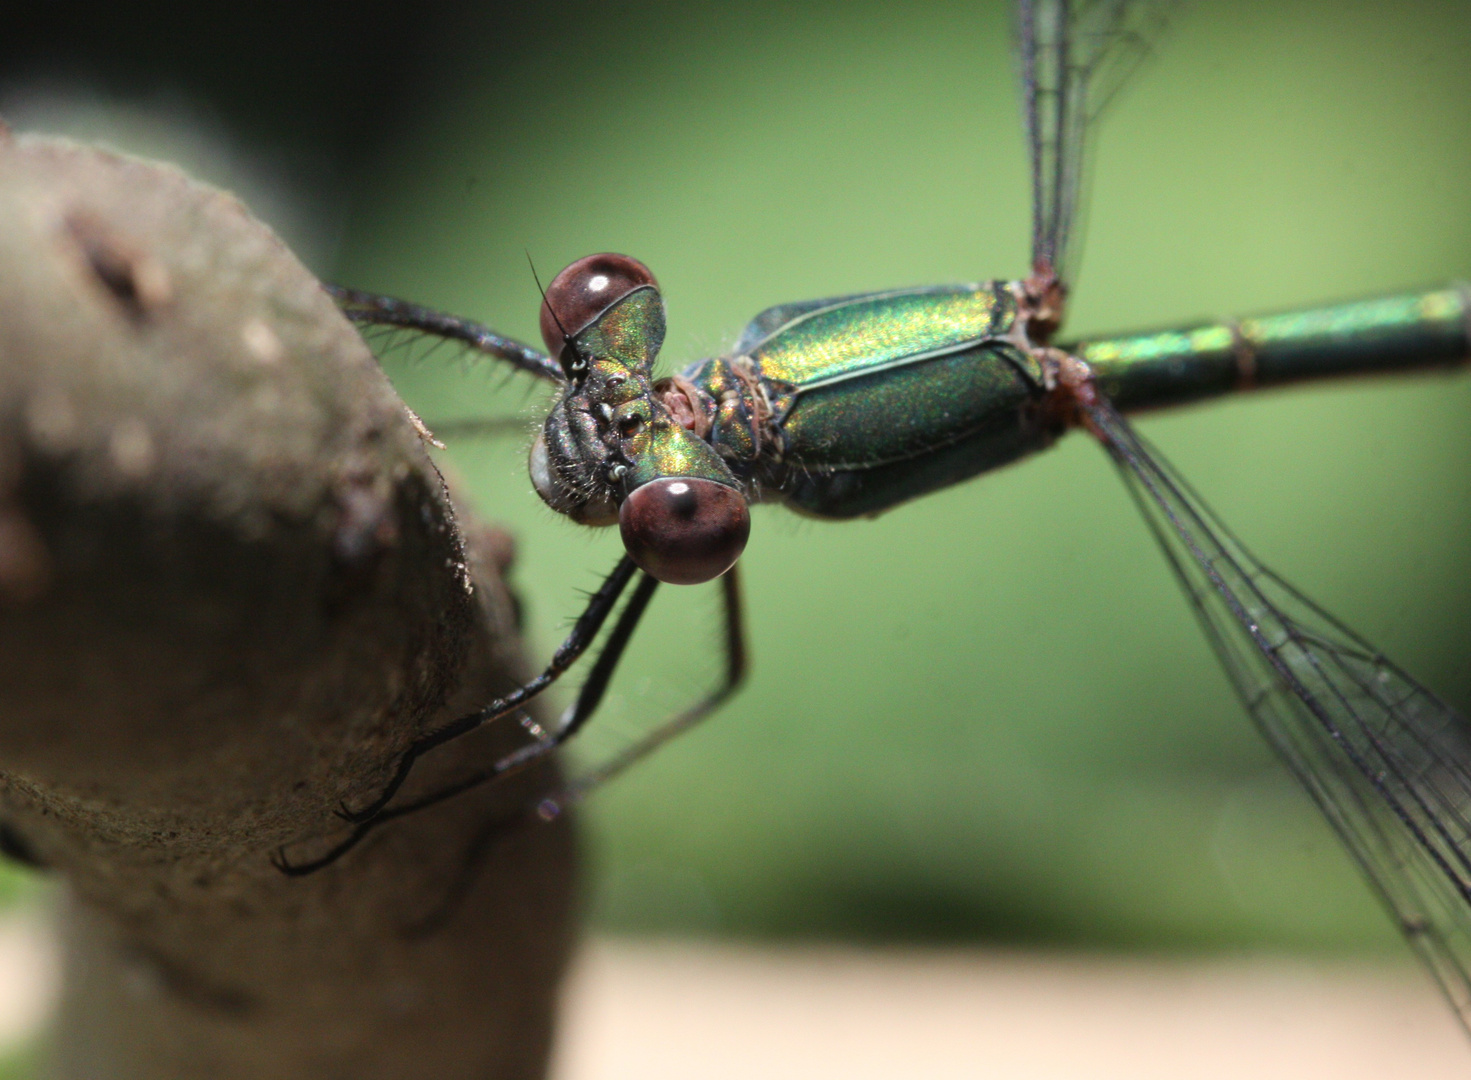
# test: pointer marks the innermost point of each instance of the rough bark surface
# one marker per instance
(232, 588)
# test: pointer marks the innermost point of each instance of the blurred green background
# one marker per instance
(987, 715)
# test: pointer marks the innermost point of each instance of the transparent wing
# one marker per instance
(1387, 762)
(1075, 55)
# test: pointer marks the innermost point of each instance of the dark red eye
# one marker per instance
(584, 290)
(684, 530)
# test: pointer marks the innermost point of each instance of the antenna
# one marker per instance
(572, 369)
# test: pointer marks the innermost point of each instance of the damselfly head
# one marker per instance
(582, 292)
(610, 449)
(685, 530)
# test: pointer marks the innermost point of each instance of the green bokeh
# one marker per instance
(22, 1062)
(989, 714)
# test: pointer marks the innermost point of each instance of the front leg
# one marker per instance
(584, 632)
(371, 309)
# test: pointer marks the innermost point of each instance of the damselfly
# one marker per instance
(849, 406)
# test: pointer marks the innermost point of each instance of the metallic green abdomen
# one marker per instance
(1173, 367)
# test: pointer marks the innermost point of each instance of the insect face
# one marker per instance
(610, 450)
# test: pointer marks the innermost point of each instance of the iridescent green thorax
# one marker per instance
(864, 335)
(852, 405)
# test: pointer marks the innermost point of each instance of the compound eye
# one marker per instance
(683, 529)
(584, 290)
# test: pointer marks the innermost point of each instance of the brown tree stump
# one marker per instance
(232, 588)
